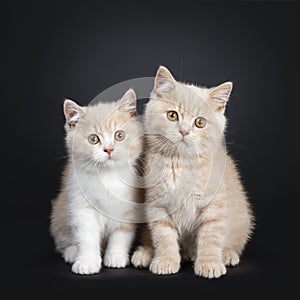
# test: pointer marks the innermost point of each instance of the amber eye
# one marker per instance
(93, 139)
(200, 122)
(172, 115)
(120, 135)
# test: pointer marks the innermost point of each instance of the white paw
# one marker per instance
(209, 268)
(116, 260)
(86, 266)
(165, 265)
(70, 254)
(141, 258)
(230, 257)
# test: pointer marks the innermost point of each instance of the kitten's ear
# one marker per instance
(164, 82)
(128, 102)
(72, 112)
(219, 96)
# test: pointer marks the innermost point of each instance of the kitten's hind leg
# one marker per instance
(142, 257)
(230, 257)
(70, 253)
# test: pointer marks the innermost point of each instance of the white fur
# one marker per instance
(94, 215)
(97, 203)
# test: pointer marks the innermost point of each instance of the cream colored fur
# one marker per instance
(196, 206)
(95, 208)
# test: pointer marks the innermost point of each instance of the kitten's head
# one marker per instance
(185, 118)
(105, 134)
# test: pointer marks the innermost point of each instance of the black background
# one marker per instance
(76, 50)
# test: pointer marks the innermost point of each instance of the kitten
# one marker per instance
(195, 202)
(96, 204)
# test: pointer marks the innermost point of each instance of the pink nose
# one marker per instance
(184, 132)
(108, 150)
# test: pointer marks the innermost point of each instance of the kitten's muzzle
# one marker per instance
(184, 132)
(108, 150)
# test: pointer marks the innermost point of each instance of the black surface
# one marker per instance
(76, 50)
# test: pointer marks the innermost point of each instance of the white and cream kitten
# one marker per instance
(96, 205)
(196, 206)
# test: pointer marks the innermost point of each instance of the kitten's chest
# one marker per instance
(185, 178)
(185, 184)
(106, 190)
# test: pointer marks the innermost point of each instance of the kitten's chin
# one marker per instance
(185, 148)
(182, 144)
(111, 162)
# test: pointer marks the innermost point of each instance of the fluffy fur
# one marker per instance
(96, 206)
(196, 207)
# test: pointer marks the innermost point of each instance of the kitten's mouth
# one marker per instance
(111, 160)
(184, 141)
(104, 161)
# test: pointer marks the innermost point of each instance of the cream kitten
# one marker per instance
(96, 204)
(195, 202)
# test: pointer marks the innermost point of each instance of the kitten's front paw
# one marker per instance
(116, 260)
(209, 268)
(86, 266)
(165, 265)
(141, 258)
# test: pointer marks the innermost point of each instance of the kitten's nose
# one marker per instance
(108, 150)
(184, 132)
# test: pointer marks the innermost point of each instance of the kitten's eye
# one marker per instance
(120, 135)
(172, 115)
(200, 122)
(93, 139)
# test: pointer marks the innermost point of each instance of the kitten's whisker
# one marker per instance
(235, 145)
(231, 132)
(95, 168)
(87, 164)
(61, 157)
